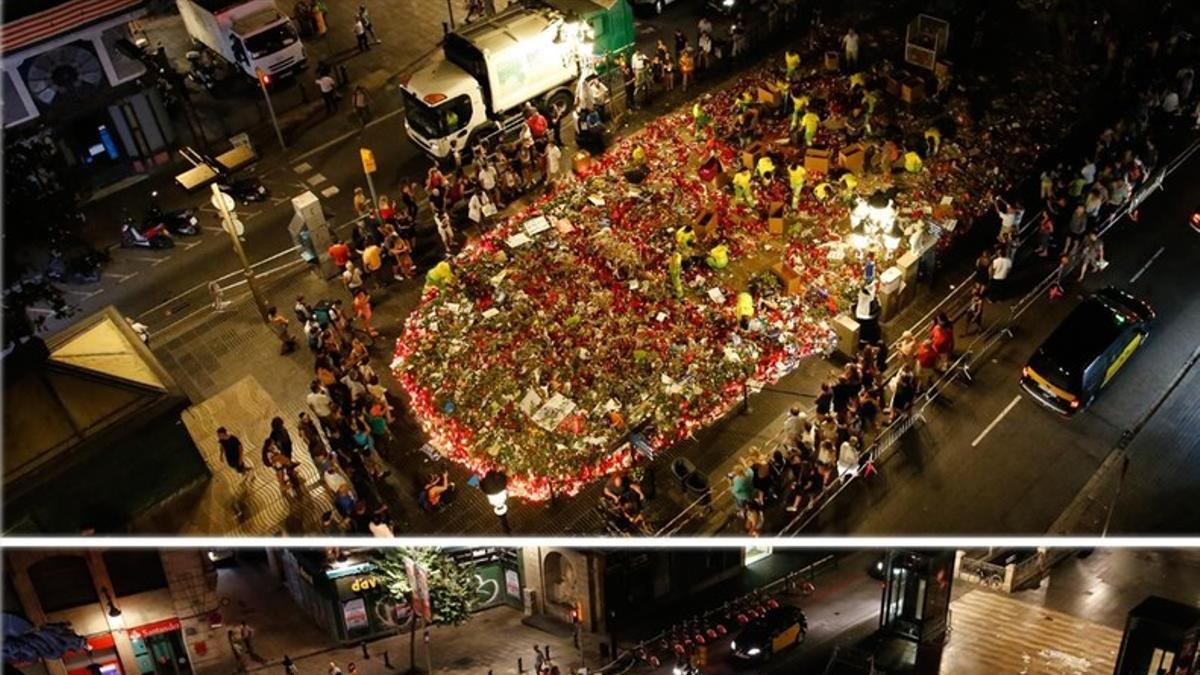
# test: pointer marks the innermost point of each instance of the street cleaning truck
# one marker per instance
(249, 34)
(488, 70)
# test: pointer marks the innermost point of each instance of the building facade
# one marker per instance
(66, 84)
(142, 612)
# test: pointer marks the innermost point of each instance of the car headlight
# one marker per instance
(728, 3)
(193, 220)
(677, 670)
(733, 646)
(753, 651)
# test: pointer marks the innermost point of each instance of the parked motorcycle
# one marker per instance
(135, 236)
(245, 190)
(180, 221)
(201, 71)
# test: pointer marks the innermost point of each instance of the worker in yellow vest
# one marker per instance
(741, 188)
(718, 257)
(933, 141)
(745, 309)
(912, 162)
(858, 80)
(744, 101)
(822, 191)
(765, 168)
(796, 177)
(810, 122)
(675, 267)
(684, 238)
(849, 182)
(791, 63)
(799, 107)
(700, 119)
(639, 156)
(440, 275)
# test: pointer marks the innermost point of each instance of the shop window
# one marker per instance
(134, 571)
(62, 582)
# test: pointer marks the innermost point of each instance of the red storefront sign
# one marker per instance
(156, 628)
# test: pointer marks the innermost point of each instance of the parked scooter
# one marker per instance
(154, 236)
(201, 71)
(245, 190)
(181, 221)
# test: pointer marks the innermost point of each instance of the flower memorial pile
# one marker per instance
(647, 291)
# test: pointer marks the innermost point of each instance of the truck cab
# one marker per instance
(249, 34)
(488, 70)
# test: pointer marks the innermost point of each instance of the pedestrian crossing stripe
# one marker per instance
(302, 168)
(316, 179)
(995, 633)
(330, 191)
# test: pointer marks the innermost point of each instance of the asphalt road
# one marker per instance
(990, 459)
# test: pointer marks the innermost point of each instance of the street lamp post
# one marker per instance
(495, 486)
(263, 81)
(225, 204)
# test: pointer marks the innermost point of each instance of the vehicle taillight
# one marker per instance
(1025, 371)
(434, 99)
(1074, 404)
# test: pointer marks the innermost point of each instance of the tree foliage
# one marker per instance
(451, 585)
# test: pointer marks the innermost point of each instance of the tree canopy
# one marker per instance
(451, 585)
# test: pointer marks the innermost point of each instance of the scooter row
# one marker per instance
(157, 227)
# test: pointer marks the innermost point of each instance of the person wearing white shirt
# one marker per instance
(553, 163)
(1001, 266)
(487, 179)
(318, 401)
(850, 44)
(445, 230)
(1088, 172)
(477, 207)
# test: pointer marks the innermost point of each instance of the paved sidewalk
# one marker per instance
(490, 642)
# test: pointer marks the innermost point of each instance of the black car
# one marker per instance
(778, 629)
(1087, 349)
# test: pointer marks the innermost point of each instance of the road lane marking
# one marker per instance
(996, 421)
(210, 228)
(1149, 262)
(154, 262)
(316, 179)
(86, 295)
(302, 168)
(187, 246)
(330, 191)
(121, 278)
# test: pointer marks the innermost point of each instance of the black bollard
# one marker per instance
(364, 648)
(520, 666)
(387, 661)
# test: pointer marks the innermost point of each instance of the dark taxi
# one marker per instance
(1087, 349)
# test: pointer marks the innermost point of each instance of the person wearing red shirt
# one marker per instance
(538, 126)
(927, 360)
(340, 253)
(434, 179)
(942, 335)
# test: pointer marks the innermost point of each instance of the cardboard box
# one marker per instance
(706, 225)
(751, 154)
(769, 98)
(775, 222)
(816, 161)
(912, 90)
(892, 85)
(833, 60)
(853, 158)
(788, 277)
(942, 69)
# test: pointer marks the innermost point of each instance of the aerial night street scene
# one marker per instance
(606, 267)
(543, 610)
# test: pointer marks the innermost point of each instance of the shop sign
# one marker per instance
(355, 614)
(512, 583)
(364, 583)
(156, 628)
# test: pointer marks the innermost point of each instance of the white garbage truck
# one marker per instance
(250, 34)
(487, 71)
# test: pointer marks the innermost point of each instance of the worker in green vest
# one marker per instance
(796, 177)
(741, 188)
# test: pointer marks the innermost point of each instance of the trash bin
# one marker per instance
(697, 488)
(682, 467)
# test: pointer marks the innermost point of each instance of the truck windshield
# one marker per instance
(436, 121)
(271, 40)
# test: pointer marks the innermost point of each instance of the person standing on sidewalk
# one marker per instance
(362, 105)
(850, 45)
(360, 35)
(365, 17)
(246, 633)
(232, 450)
(238, 649)
(329, 93)
(279, 325)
